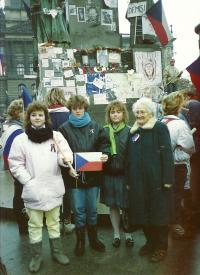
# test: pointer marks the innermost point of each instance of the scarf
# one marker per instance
(39, 135)
(79, 121)
(112, 132)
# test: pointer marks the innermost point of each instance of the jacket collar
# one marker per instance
(147, 126)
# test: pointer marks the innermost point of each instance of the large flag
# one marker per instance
(194, 71)
(27, 99)
(89, 161)
(158, 20)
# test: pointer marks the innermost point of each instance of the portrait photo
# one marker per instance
(81, 14)
(92, 15)
(106, 17)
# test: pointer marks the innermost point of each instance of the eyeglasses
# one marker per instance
(140, 112)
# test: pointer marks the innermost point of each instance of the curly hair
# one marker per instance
(116, 104)
(33, 107)
(77, 101)
(15, 109)
(55, 96)
(172, 103)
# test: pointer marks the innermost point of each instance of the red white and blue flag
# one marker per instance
(194, 71)
(88, 161)
(158, 20)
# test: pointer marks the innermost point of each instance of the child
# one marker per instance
(114, 194)
(34, 160)
(85, 135)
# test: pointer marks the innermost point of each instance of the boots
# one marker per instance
(56, 251)
(93, 239)
(35, 263)
(80, 243)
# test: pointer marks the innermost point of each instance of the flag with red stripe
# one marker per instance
(158, 20)
(88, 161)
(194, 71)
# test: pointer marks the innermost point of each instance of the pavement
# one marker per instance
(183, 255)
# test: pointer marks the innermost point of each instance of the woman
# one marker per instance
(183, 146)
(113, 191)
(84, 135)
(59, 114)
(149, 177)
(15, 128)
(34, 160)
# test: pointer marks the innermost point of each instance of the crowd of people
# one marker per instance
(144, 172)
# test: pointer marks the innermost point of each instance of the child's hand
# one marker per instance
(104, 158)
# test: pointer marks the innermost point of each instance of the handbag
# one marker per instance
(114, 166)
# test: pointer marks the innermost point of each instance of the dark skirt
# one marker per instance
(113, 192)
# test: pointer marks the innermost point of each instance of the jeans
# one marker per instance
(84, 205)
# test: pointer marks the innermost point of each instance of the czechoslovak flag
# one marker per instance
(89, 161)
(158, 20)
(194, 71)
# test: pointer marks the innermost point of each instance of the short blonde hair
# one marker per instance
(172, 103)
(116, 104)
(55, 96)
(149, 105)
(15, 109)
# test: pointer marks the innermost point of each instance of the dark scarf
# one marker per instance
(39, 135)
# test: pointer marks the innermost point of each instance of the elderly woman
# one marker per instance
(150, 175)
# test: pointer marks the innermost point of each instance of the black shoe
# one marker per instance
(94, 242)
(116, 242)
(129, 242)
(80, 242)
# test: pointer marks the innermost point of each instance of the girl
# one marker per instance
(85, 135)
(113, 193)
(34, 160)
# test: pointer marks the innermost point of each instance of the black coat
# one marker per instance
(150, 165)
(90, 138)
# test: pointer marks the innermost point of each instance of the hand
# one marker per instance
(167, 186)
(104, 158)
(73, 173)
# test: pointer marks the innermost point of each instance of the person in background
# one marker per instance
(84, 135)
(193, 116)
(171, 76)
(15, 128)
(59, 113)
(149, 178)
(114, 193)
(34, 160)
(183, 147)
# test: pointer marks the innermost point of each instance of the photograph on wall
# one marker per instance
(106, 17)
(149, 65)
(92, 15)
(81, 14)
(72, 9)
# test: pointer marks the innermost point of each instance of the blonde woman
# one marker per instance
(59, 113)
(183, 147)
(114, 194)
(15, 128)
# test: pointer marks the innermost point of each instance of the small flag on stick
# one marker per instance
(89, 161)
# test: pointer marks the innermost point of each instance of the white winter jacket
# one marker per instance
(36, 166)
(181, 136)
